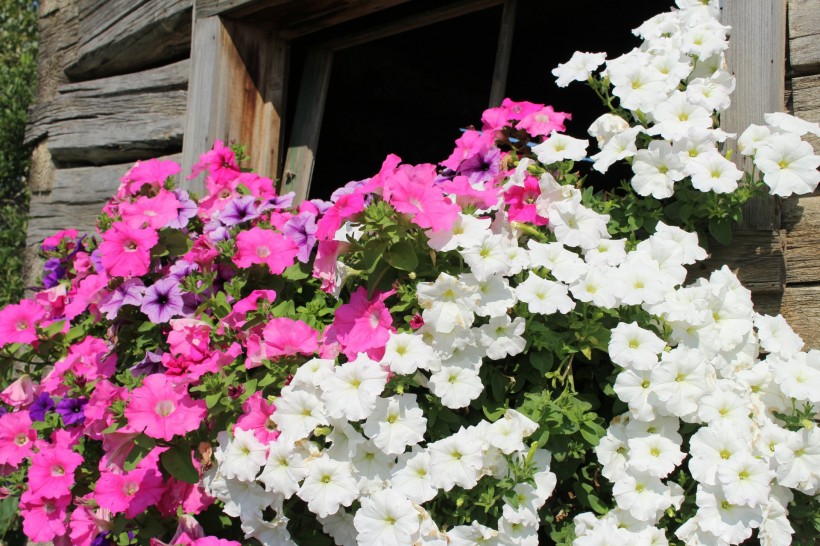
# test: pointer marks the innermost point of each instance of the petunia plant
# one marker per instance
(479, 351)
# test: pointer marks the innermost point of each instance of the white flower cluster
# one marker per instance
(674, 85)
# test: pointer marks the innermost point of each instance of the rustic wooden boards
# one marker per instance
(126, 36)
(804, 36)
(114, 119)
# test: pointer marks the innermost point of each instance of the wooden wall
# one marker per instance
(114, 78)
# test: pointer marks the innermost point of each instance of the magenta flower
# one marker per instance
(363, 324)
(126, 251)
(156, 212)
(331, 221)
(543, 121)
(264, 246)
(51, 474)
(17, 322)
(257, 418)
(44, 519)
(16, 438)
(426, 205)
(521, 201)
(153, 172)
(163, 410)
(302, 231)
(162, 300)
(131, 492)
(286, 337)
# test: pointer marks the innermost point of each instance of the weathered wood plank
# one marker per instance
(498, 89)
(293, 18)
(237, 85)
(801, 226)
(801, 309)
(804, 36)
(756, 55)
(803, 99)
(755, 256)
(76, 199)
(124, 36)
(115, 119)
(307, 124)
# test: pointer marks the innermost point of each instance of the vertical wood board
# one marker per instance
(804, 36)
(498, 89)
(236, 93)
(756, 56)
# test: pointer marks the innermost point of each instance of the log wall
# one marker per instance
(113, 88)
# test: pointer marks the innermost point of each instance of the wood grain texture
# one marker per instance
(75, 201)
(755, 256)
(125, 36)
(804, 36)
(801, 228)
(116, 119)
(237, 84)
(756, 56)
(803, 100)
(801, 309)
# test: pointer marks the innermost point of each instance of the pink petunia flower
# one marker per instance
(18, 322)
(257, 418)
(90, 359)
(131, 492)
(51, 474)
(156, 211)
(20, 393)
(263, 246)
(162, 410)
(220, 162)
(126, 251)
(153, 172)
(86, 523)
(344, 208)
(190, 338)
(89, 295)
(286, 337)
(16, 438)
(362, 324)
(543, 121)
(426, 205)
(521, 201)
(44, 519)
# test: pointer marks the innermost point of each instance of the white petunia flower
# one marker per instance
(580, 66)
(243, 457)
(508, 433)
(575, 225)
(284, 469)
(448, 303)
(310, 374)
(686, 241)
(466, 231)
(713, 172)
(788, 164)
(791, 124)
(352, 390)
(776, 336)
(564, 265)
(620, 146)
(455, 461)
(609, 252)
(502, 337)
(386, 518)
(745, 480)
(371, 467)
(543, 296)
(606, 127)
(634, 387)
(644, 496)
(298, 413)
(488, 257)
(344, 439)
(329, 485)
(456, 387)
(496, 295)
(681, 380)
(340, 527)
(631, 346)
(397, 422)
(798, 461)
(404, 353)
(675, 116)
(713, 446)
(612, 452)
(596, 286)
(640, 87)
(799, 376)
(752, 139)
(558, 147)
(730, 522)
(656, 170)
(655, 455)
(411, 477)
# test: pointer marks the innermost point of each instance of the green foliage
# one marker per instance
(18, 71)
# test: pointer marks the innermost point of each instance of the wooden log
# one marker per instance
(801, 309)
(125, 36)
(756, 257)
(801, 228)
(803, 100)
(237, 93)
(116, 119)
(76, 200)
(804, 36)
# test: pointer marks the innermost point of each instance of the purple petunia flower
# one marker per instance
(301, 229)
(41, 405)
(55, 271)
(481, 167)
(162, 300)
(187, 210)
(238, 210)
(151, 364)
(128, 293)
(72, 410)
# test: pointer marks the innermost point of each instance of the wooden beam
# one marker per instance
(498, 89)
(209, 8)
(237, 93)
(804, 36)
(425, 18)
(307, 123)
(756, 56)
(125, 36)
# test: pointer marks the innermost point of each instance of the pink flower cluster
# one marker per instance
(175, 295)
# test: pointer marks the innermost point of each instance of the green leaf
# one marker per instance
(296, 272)
(402, 256)
(721, 230)
(592, 432)
(176, 241)
(220, 305)
(177, 461)
(212, 399)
